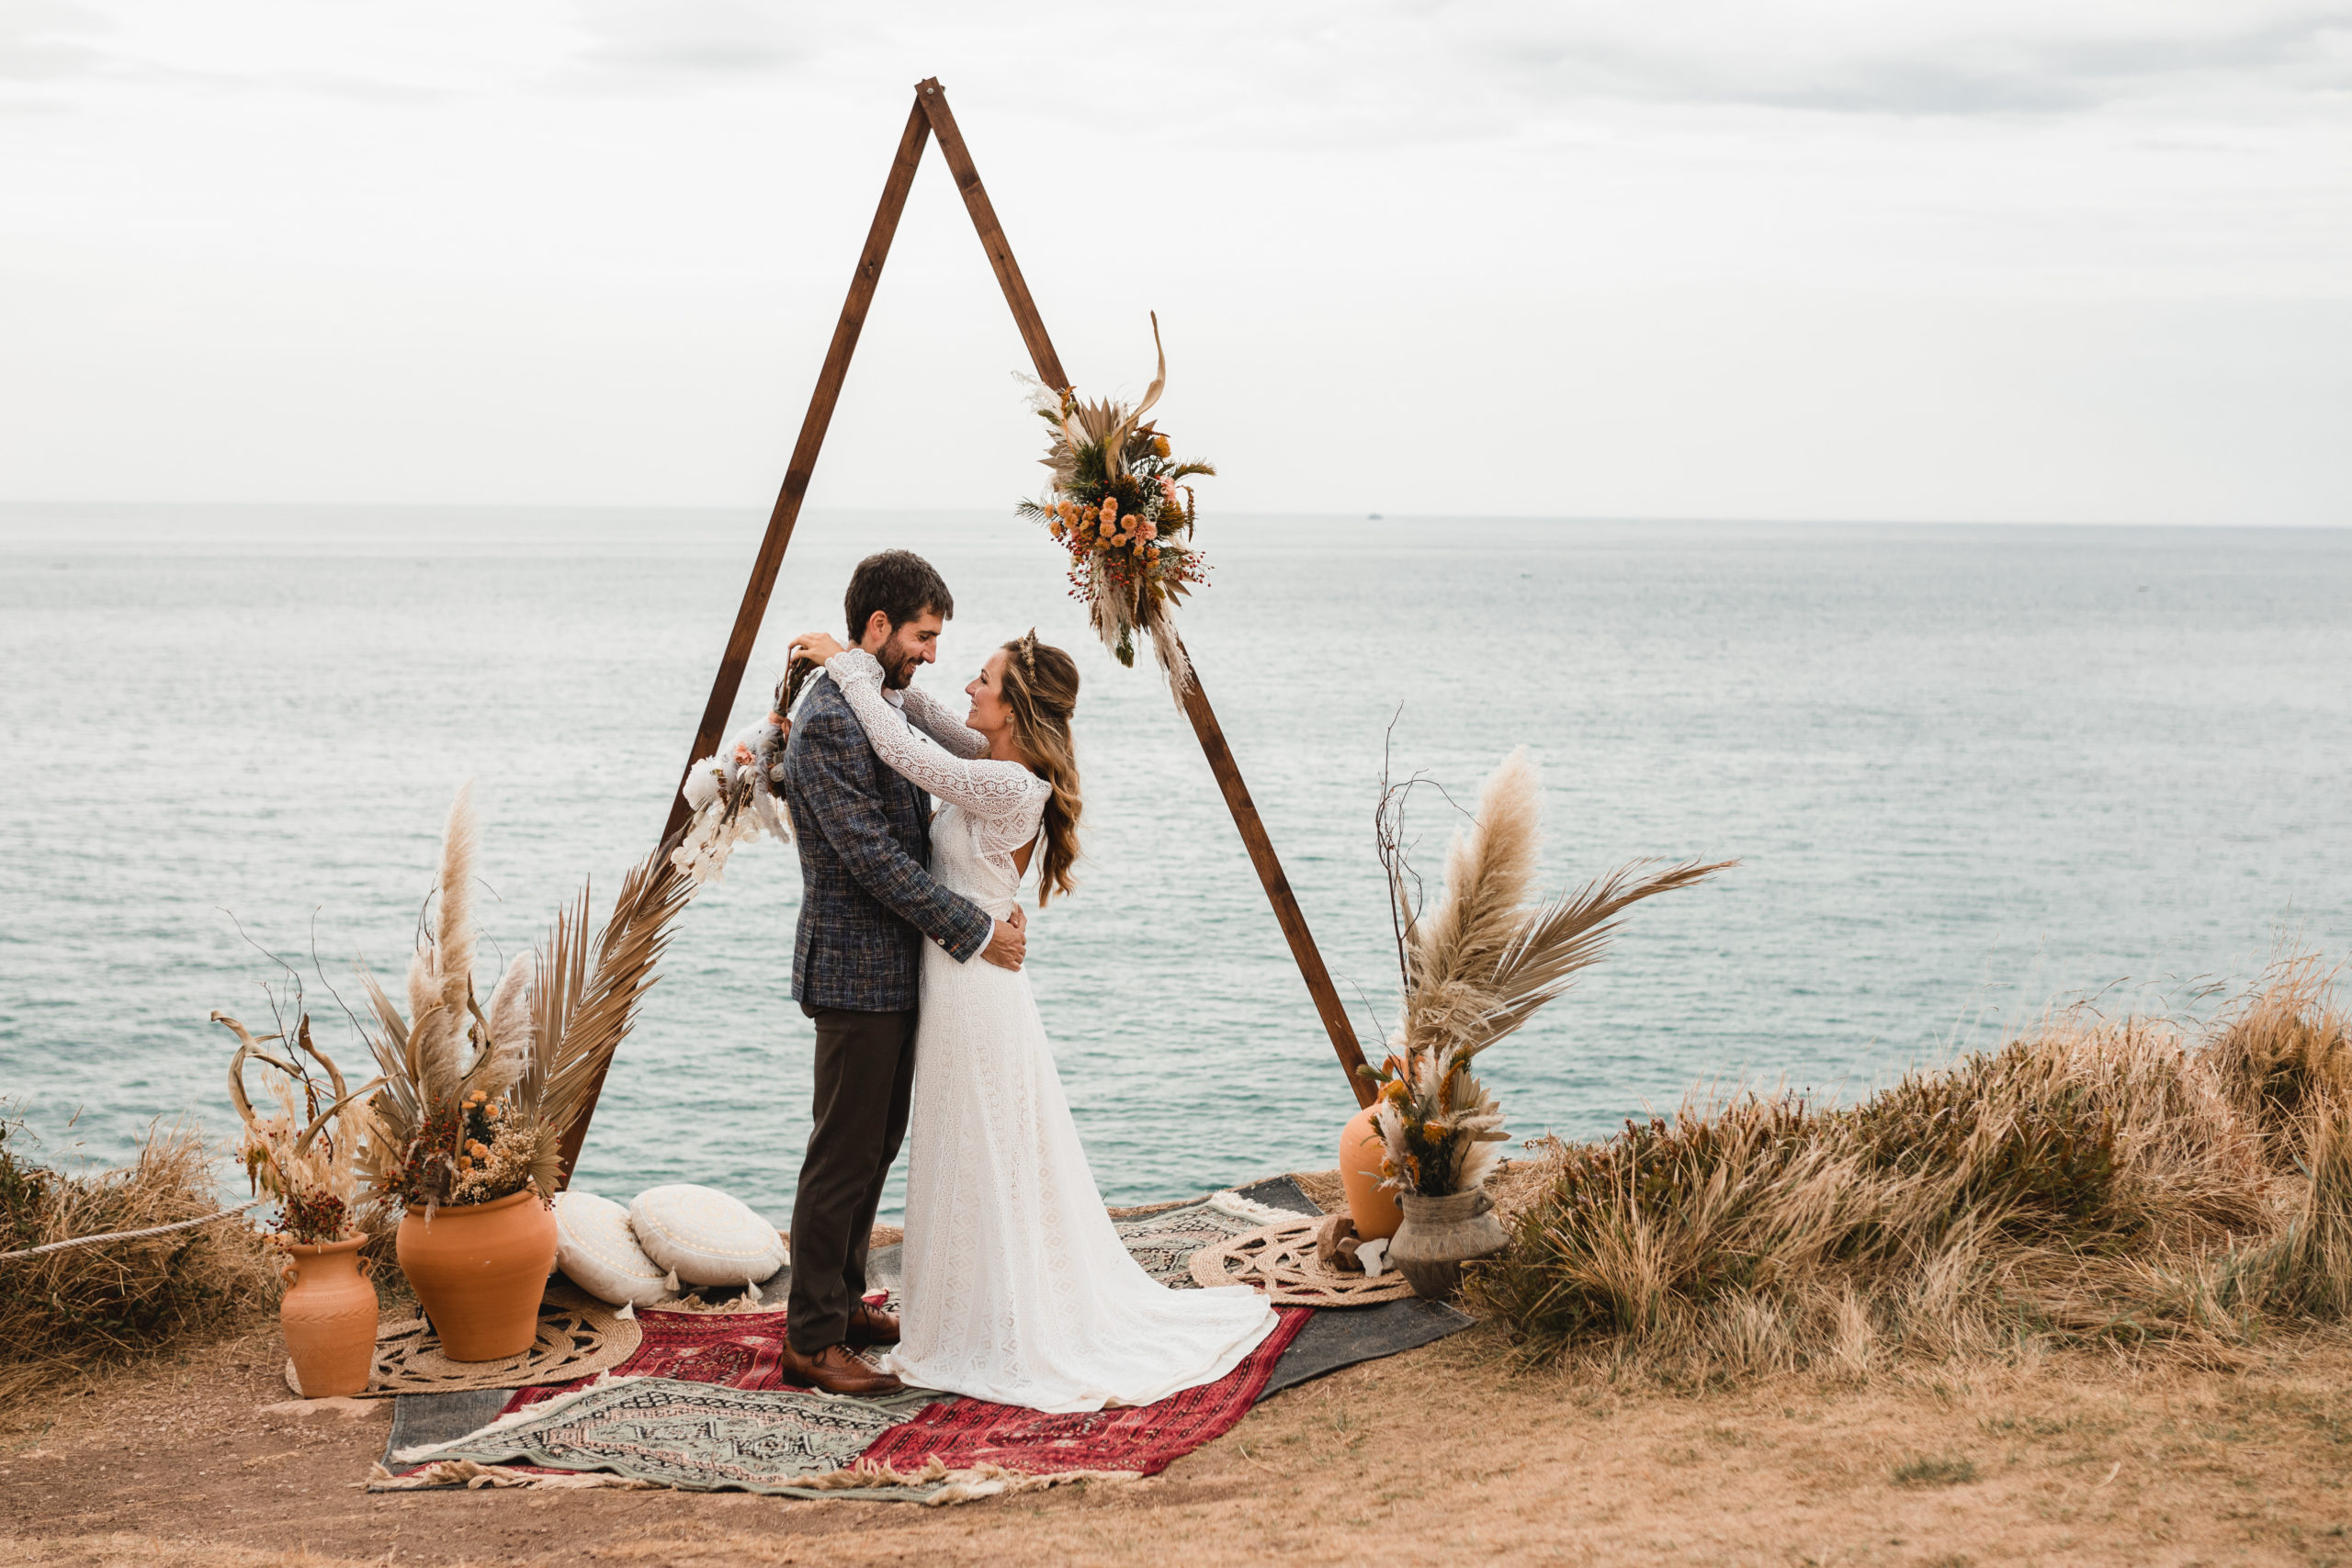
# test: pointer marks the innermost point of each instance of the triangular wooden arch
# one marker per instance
(931, 117)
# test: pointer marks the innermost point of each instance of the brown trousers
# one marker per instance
(865, 1079)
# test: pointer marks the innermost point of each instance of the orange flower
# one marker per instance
(1159, 448)
(1109, 525)
(1110, 509)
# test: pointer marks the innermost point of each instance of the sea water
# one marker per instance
(1967, 772)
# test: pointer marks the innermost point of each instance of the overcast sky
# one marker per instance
(1999, 259)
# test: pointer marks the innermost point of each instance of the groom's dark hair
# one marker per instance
(901, 584)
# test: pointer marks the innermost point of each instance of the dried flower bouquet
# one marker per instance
(1477, 967)
(1115, 506)
(304, 1154)
(474, 1105)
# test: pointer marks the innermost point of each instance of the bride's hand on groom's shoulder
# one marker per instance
(814, 647)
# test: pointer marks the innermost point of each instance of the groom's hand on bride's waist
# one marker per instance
(1008, 943)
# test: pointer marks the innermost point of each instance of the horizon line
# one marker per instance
(714, 511)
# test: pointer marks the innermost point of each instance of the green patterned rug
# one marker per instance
(697, 1437)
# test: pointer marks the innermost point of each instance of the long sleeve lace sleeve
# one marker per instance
(995, 791)
(941, 723)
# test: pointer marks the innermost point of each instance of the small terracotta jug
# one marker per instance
(329, 1319)
(478, 1271)
(1372, 1208)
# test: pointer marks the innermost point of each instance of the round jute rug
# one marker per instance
(1279, 1261)
(579, 1337)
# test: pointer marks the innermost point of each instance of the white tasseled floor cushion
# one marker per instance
(595, 1247)
(704, 1237)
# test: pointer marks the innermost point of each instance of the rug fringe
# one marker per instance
(475, 1477)
(957, 1485)
(1250, 1209)
(954, 1485)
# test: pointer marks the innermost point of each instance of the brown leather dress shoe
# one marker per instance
(835, 1371)
(869, 1324)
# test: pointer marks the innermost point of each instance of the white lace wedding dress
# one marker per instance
(1016, 1288)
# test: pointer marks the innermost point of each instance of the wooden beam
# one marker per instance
(729, 683)
(1302, 951)
(730, 680)
(932, 99)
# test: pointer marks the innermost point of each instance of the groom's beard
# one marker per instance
(897, 668)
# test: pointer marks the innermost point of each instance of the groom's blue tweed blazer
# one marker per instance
(867, 901)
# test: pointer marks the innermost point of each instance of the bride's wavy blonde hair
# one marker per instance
(1041, 688)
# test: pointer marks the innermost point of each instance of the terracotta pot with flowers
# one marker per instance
(474, 1103)
(1474, 968)
(304, 1154)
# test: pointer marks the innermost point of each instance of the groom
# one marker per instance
(868, 902)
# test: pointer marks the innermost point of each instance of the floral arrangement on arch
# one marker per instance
(732, 795)
(1119, 506)
(1475, 966)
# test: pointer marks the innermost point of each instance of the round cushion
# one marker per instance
(598, 1252)
(705, 1236)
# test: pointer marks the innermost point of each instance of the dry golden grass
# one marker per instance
(68, 1311)
(2123, 1183)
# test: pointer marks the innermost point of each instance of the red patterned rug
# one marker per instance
(1144, 1438)
(733, 1349)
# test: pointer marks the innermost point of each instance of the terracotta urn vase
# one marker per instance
(1440, 1235)
(1374, 1210)
(478, 1271)
(329, 1319)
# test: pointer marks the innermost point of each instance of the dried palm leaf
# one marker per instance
(596, 1017)
(1568, 934)
(559, 979)
(396, 1105)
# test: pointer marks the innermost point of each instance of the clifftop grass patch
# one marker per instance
(2132, 1182)
(66, 1312)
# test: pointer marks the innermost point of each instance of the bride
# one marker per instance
(1016, 1288)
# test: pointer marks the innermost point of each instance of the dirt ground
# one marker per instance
(1443, 1452)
